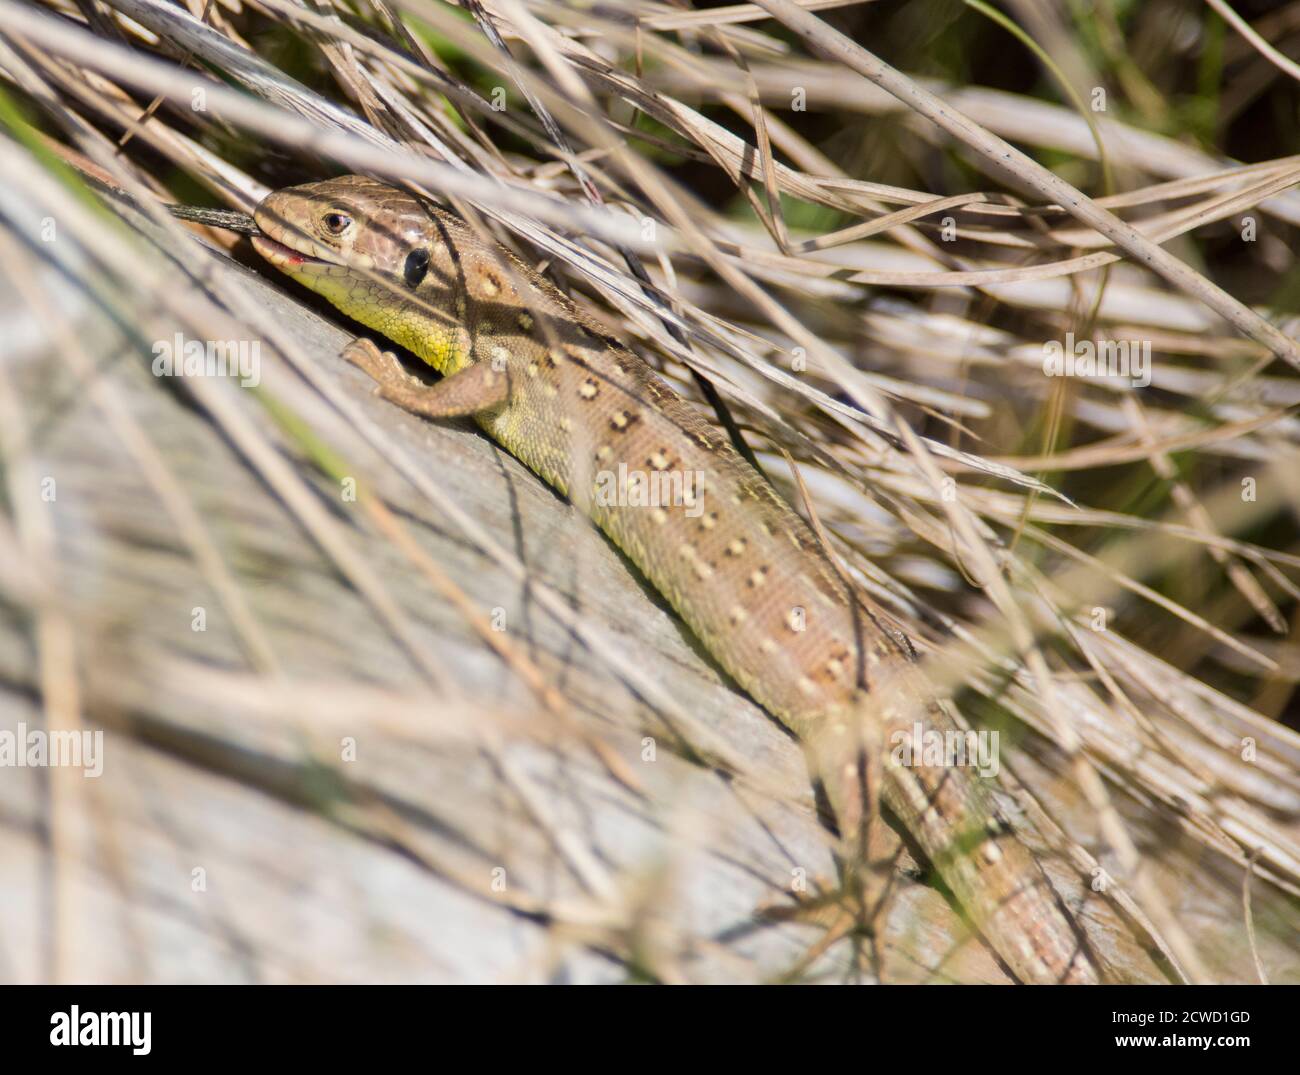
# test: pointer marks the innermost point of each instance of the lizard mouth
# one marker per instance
(278, 254)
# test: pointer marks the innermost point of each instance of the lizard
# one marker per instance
(741, 567)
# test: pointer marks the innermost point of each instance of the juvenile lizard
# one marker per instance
(740, 567)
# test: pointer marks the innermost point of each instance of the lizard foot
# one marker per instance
(382, 367)
(839, 914)
(476, 388)
(853, 906)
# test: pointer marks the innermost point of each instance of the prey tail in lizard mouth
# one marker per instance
(738, 564)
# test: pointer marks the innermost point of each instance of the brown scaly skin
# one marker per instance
(737, 563)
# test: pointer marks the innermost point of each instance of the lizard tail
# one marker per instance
(997, 882)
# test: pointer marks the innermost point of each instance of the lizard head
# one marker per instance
(376, 252)
(351, 222)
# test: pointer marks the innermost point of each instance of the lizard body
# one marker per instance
(743, 570)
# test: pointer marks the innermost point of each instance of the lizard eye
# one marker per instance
(417, 266)
(337, 223)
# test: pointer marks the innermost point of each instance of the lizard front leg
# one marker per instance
(472, 390)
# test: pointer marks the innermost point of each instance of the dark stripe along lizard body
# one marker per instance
(737, 563)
